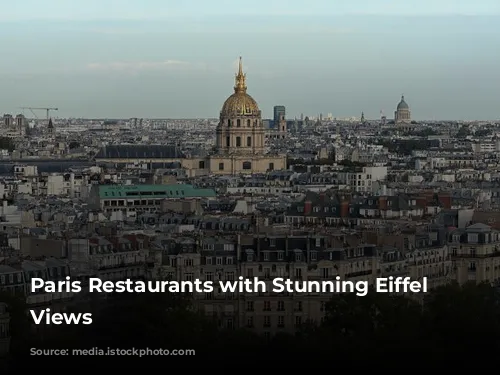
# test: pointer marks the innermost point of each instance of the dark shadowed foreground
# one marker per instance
(373, 330)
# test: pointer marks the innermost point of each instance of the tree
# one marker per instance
(7, 144)
(463, 132)
(460, 318)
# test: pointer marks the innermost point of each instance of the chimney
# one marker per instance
(307, 207)
(445, 200)
(344, 209)
(382, 203)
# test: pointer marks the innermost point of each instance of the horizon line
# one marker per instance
(277, 15)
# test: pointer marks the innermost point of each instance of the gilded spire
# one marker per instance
(240, 84)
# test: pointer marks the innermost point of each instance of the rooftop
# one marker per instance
(158, 191)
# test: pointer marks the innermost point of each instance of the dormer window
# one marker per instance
(472, 238)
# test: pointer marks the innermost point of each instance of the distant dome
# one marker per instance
(240, 103)
(402, 104)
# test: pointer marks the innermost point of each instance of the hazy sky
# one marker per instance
(161, 58)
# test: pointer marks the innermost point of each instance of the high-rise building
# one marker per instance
(279, 114)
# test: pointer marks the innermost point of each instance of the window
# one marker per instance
(248, 123)
(221, 166)
(266, 256)
(298, 306)
(247, 165)
(250, 322)
(272, 242)
(314, 255)
(298, 273)
(281, 321)
(228, 141)
(298, 321)
(250, 306)
(281, 255)
(271, 166)
(472, 238)
(218, 261)
(267, 273)
(267, 321)
(201, 165)
(267, 305)
(238, 141)
(281, 306)
(325, 274)
(249, 141)
(238, 123)
(208, 260)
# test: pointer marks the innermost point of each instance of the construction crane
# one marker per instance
(42, 108)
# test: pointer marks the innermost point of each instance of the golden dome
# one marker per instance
(240, 103)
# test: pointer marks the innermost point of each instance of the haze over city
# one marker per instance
(169, 59)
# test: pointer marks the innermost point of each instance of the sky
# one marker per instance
(177, 59)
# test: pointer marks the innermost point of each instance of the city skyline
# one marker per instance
(169, 63)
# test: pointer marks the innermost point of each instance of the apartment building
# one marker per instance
(362, 180)
(296, 257)
(475, 253)
(141, 198)
(4, 330)
(110, 258)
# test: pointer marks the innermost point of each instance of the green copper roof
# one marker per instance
(153, 191)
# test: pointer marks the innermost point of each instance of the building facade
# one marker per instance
(4, 330)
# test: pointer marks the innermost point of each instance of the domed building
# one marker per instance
(240, 143)
(241, 136)
(402, 114)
